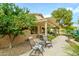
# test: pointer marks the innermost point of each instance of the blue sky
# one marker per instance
(47, 8)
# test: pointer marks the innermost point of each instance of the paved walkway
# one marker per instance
(58, 49)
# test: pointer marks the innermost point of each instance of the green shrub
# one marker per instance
(50, 37)
(75, 35)
(73, 49)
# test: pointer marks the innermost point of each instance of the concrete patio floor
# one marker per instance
(58, 49)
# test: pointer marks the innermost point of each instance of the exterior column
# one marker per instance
(45, 37)
(46, 28)
(38, 29)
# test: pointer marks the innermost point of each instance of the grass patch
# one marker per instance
(73, 49)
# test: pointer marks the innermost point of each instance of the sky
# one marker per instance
(47, 8)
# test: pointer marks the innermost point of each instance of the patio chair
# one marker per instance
(47, 43)
(42, 41)
(38, 48)
(31, 41)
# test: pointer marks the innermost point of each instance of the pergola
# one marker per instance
(44, 23)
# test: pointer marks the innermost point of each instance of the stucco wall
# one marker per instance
(4, 42)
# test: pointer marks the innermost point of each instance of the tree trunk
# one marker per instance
(10, 45)
(11, 41)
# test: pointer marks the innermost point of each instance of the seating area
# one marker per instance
(39, 45)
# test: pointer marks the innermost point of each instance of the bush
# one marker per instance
(50, 37)
(75, 35)
(72, 33)
(73, 49)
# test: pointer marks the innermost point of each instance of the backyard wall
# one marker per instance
(4, 42)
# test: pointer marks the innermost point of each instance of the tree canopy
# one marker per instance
(63, 16)
(14, 19)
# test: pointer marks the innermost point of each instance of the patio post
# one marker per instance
(46, 29)
(38, 29)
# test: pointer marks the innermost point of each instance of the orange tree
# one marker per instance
(13, 20)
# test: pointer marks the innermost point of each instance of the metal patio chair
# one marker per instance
(38, 48)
